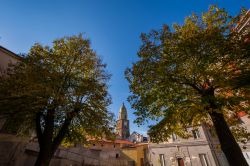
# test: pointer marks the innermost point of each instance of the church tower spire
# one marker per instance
(123, 112)
(122, 127)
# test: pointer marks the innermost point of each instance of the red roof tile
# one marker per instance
(241, 114)
(121, 141)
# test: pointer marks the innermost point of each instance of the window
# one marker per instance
(162, 160)
(174, 137)
(125, 124)
(196, 134)
(203, 159)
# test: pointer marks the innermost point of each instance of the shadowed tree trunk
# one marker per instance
(229, 145)
(44, 156)
(47, 144)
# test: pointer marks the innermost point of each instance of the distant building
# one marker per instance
(122, 127)
(137, 138)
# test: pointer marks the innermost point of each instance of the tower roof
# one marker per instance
(123, 112)
(123, 109)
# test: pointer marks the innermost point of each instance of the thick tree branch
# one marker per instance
(38, 128)
(62, 132)
(199, 90)
(64, 129)
(49, 125)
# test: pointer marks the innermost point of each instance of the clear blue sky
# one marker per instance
(113, 26)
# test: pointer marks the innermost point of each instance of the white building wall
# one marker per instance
(7, 58)
(190, 155)
(189, 150)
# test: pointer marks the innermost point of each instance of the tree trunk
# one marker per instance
(45, 138)
(47, 144)
(229, 145)
(44, 156)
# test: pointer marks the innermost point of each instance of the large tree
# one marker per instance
(182, 77)
(60, 92)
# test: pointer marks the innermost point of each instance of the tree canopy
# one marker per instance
(61, 92)
(183, 74)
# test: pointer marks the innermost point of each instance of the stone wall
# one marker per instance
(16, 151)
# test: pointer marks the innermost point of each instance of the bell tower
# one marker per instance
(122, 127)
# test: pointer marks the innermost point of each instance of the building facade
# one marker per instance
(138, 153)
(7, 58)
(201, 149)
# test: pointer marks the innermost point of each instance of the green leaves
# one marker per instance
(67, 80)
(184, 74)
